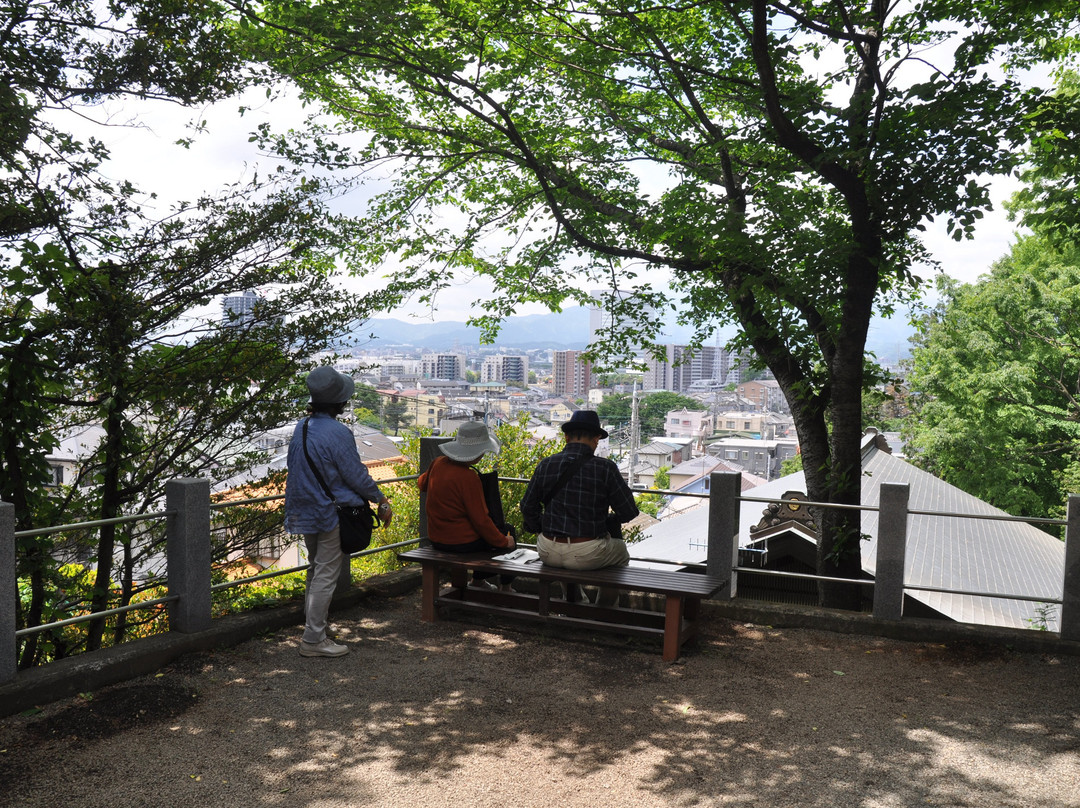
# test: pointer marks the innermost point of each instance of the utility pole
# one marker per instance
(635, 437)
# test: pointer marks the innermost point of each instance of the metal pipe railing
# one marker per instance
(185, 596)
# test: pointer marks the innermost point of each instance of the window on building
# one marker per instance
(57, 475)
(745, 424)
(729, 424)
(731, 454)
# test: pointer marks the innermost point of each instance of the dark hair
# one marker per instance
(330, 409)
(583, 434)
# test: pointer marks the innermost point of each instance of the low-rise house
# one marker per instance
(764, 395)
(760, 457)
(684, 423)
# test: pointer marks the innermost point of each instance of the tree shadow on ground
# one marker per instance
(468, 713)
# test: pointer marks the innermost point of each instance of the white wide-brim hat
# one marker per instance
(472, 441)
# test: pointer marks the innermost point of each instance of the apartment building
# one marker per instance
(442, 366)
(500, 368)
(571, 374)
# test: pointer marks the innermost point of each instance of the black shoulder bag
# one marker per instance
(355, 522)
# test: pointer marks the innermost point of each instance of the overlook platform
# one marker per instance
(470, 714)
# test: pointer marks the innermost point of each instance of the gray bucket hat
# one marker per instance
(327, 386)
(472, 441)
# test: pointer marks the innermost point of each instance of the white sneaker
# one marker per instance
(325, 647)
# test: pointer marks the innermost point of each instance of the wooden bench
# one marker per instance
(682, 593)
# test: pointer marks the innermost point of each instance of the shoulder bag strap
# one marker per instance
(564, 478)
(315, 470)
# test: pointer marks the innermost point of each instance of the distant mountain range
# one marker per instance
(568, 330)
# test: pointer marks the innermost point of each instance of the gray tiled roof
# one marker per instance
(975, 555)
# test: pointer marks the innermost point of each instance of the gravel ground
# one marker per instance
(462, 714)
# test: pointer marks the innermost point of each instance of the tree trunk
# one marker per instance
(110, 508)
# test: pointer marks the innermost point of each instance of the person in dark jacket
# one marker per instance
(572, 524)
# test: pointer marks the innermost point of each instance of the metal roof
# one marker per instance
(977, 555)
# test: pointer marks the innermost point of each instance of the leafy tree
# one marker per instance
(1047, 202)
(791, 465)
(652, 409)
(996, 367)
(55, 57)
(367, 397)
(96, 318)
(396, 415)
(779, 159)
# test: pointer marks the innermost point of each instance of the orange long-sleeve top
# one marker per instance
(456, 511)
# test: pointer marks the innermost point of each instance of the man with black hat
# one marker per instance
(568, 501)
(311, 512)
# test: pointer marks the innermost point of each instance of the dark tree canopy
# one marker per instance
(777, 158)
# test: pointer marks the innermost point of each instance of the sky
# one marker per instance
(148, 155)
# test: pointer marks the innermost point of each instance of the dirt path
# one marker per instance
(459, 714)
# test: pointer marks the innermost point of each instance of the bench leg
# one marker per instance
(673, 617)
(429, 576)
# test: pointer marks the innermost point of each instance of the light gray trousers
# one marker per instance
(324, 553)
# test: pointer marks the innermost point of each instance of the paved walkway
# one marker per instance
(462, 714)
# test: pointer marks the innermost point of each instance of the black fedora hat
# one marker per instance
(585, 421)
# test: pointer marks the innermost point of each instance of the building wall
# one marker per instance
(443, 366)
(505, 369)
(572, 375)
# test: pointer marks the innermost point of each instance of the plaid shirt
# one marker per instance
(580, 508)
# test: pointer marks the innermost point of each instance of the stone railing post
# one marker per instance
(891, 551)
(429, 450)
(188, 554)
(1070, 591)
(723, 554)
(9, 594)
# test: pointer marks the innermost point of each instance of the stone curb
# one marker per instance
(91, 671)
(88, 672)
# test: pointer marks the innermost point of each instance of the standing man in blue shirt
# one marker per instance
(568, 500)
(310, 512)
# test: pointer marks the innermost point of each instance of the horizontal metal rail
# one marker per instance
(870, 582)
(807, 575)
(146, 604)
(1033, 599)
(275, 573)
(116, 520)
(390, 547)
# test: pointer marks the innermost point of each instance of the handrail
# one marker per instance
(275, 573)
(115, 520)
(82, 618)
(220, 505)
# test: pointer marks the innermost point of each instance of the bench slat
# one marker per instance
(682, 591)
(641, 579)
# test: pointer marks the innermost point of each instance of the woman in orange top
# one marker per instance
(457, 516)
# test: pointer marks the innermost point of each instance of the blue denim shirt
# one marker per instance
(333, 450)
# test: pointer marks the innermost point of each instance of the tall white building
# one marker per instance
(442, 366)
(679, 370)
(600, 317)
(501, 368)
(238, 311)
